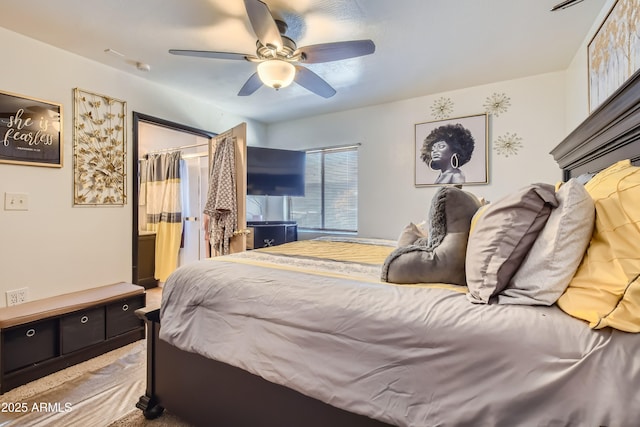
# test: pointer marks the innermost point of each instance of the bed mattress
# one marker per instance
(314, 316)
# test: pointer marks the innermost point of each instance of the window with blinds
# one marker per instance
(330, 202)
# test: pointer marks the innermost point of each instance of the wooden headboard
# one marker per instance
(611, 133)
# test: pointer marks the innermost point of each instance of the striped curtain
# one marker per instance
(160, 184)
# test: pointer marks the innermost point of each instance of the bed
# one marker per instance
(306, 334)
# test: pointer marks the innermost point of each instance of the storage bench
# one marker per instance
(40, 337)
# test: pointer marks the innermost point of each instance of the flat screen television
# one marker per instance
(275, 172)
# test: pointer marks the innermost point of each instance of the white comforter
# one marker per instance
(406, 355)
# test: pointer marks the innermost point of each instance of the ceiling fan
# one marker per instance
(565, 4)
(279, 58)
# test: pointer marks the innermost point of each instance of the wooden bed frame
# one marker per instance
(201, 390)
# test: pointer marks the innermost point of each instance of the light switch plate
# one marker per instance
(16, 202)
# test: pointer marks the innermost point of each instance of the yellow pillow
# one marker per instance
(605, 290)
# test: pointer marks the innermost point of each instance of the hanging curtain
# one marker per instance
(221, 206)
(160, 182)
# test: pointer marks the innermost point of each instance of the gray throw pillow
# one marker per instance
(501, 238)
(438, 258)
(555, 256)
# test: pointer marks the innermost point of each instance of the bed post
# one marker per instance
(148, 403)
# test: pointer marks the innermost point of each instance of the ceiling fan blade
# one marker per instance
(253, 84)
(211, 54)
(327, 52)
(565, 4)
(313, 82)
(263, 23)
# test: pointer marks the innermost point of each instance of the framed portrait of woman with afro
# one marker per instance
(452, 151)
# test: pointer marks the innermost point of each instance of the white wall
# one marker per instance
(388, 199)
(54, 247)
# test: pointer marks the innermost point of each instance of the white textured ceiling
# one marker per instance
(422, 46)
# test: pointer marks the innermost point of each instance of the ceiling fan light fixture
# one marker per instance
(276, 73)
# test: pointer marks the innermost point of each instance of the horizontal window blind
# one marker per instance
(331, 191)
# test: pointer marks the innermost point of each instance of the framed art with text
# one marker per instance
(30, 131)
(452, 151)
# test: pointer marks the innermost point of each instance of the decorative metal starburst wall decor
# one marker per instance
(508, 144)
(497, 104)
(442, 108)
(99, 149)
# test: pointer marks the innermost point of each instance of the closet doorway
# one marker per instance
(151, 134)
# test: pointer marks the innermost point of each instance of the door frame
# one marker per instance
(137, 118)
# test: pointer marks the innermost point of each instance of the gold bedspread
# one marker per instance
(337, 251)
(353, 260)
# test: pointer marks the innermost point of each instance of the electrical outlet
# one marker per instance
(16, 202)
(16, 296)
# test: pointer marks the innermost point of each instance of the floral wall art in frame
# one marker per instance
(452, 151)
(614, 51)
(99, 149)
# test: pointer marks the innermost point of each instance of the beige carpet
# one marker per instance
(100, 392)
